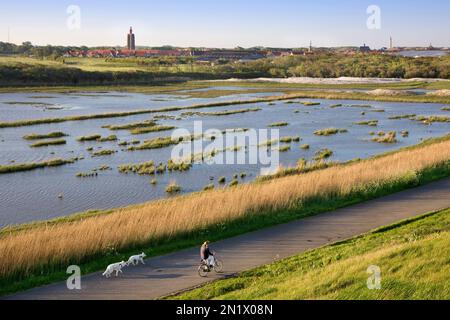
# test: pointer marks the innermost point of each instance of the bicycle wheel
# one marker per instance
(218, 267)
(203, 270)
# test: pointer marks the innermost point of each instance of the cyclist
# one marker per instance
(207, 255)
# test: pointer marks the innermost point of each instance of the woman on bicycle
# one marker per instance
(206, 255)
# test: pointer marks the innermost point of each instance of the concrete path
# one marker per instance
(177, 271)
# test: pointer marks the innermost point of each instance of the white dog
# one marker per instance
(117, 267)
(135, 260)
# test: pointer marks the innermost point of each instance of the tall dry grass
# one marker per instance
(69, 242)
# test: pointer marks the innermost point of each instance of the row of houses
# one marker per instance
(200, 55)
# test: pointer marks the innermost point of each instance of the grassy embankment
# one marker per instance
(413, 256)
(31, 257)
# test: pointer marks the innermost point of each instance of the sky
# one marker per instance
(227, 24)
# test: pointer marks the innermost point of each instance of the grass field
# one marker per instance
(97, 239)
(413, 257)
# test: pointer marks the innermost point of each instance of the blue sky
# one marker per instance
(231, 23)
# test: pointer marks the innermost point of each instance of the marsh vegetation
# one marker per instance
(37, 136)
(390, 137)
(329, 131)
(46, 143)
(35, 165)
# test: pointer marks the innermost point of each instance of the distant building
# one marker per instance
(364, 49)
(131, 40)
(233, 55)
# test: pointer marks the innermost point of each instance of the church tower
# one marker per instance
(131, 40)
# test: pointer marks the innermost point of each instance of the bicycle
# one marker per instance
(204, 268)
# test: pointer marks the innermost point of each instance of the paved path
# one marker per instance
(177, 271)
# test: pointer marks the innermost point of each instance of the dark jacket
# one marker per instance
(205, 252)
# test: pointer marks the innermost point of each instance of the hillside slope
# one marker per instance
(414, 258)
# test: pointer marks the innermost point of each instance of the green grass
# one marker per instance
(367, 106)
(220, 113)
(173, 188)
(130, 126)
(403, 116)
(431, 119)
(103, 153)
(93, 137)
(4, 169)
(278, 124)
(208, 187)
(329, 131)
(156, 143)
(290, 139)
(145, 168)
(108, 138)
(323, 154)
(46, 143)
(413, 256)
(310, 104)
(35, 136)
(144, 130)
(284, 148)
(390, 137)
(371, 123)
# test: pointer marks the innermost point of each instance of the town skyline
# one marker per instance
(287, 24)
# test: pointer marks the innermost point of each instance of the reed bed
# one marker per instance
(329, 132)
(31, 250)
(103, 153)
(278, 124)
(130, 126)
(390, 137)
(35, 165)
(310, 104)
(150, 129)
(93, 137)
(47, 143)
(402, 116)
(432, 119)
(323, 154)
(370, 123)
(112, 137)
(51, 135)
(220, 113)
